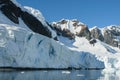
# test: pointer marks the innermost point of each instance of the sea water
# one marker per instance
(57, 75)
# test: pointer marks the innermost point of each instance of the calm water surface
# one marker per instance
(57, 75)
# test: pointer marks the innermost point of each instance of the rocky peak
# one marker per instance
(112, 35)
(84, 32)
(115, 30)
(71, 28)
(96, 33)
(73, 25)
(109, 35)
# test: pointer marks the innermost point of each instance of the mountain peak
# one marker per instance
(73, 25)
(72, 28)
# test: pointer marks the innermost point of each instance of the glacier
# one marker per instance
(22, 48)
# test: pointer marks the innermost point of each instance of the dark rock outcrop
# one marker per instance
(68, 34)
(84, 32)
(115, 30)
(4, 1)
(96, 33)
(64, 32)
(13, 12)
(35, 24)
(92, 41)
(65, 27)
(110, 37)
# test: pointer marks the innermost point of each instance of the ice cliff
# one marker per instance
(21, 48)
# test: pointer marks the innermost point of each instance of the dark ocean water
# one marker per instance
(57, 75)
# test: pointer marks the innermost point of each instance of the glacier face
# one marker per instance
(21, 48)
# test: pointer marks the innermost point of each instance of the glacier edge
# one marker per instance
(22, 48)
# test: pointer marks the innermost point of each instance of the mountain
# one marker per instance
(72, 28)
(94, 40)
(24, 16)
(27, 40)
(109, 35)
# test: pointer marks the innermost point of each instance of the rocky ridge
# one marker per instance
(72, 28)
(15, 12)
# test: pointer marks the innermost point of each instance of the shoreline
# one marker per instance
(37, 69)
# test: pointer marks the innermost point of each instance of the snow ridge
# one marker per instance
(40, 17)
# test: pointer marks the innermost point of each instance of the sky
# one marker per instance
(99, 13)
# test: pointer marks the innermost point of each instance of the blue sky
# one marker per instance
(91, 12)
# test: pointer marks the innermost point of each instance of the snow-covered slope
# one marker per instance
(72, 28)
(13, 13)
(108, 54)
(21, 48)
(40, 17)
(102, 50)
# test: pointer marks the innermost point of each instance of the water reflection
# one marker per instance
(109, 76)
(57, 75)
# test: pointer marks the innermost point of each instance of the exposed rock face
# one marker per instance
(115, 30)
(35, 24)
(13, 12)
(84, 32)
(108, 37)
(64, 32)
(71, 28)
(112, 35)
(96, 33)
(3, 1)
(92, 41)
